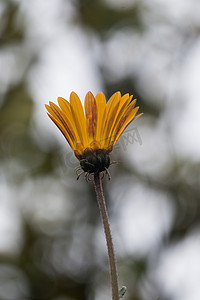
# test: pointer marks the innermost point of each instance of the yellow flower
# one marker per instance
(93, 131)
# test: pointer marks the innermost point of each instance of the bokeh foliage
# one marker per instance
(58, 259)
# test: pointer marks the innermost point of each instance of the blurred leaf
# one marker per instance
(16, 110)
(10, 30)
(96, 15)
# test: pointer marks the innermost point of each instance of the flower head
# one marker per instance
(93, 131)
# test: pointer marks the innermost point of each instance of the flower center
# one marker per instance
(93, 161)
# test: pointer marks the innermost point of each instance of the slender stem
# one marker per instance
(110, 247)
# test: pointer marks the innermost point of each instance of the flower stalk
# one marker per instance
(92, 131)
(107, 231)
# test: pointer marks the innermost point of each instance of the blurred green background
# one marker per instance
(51, 238)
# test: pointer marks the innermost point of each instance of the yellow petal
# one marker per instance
(51, 112)
(95, 145)
(110, 113)
(79, 147)
(125, 122)
(125, 99)
(63, 130)
(124, 127)
(112, 100)
(124, 102)
(91, 116)
(123, 117)
(64, 120)
(120, 115)
(64, 105)
(66, 108)
(79, 118)
(101, 105)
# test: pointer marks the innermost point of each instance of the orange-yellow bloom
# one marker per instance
(93, 131)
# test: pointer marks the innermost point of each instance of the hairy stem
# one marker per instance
(110, 247)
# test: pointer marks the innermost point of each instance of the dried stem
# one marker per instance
(110, 247)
